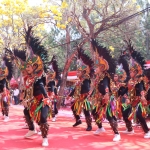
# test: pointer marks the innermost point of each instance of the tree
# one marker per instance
(142, 39)
(140, 34)
(16, 15)
(92, 18)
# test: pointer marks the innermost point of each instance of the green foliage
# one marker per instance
(52, 42)
(141, 39)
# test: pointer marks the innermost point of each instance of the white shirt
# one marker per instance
(16, 92)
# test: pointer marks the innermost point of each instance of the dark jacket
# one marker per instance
(85, 87)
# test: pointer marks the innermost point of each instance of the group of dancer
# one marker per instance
(112, 89)
(107, 88)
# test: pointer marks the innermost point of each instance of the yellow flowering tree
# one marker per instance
(17, 15)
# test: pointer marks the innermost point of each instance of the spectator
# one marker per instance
(16, 96)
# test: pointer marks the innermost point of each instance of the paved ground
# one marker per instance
(62, 136)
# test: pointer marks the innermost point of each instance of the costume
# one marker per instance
(19, 59)
(136, 91)
(36, 97)
(81, 90)
(5, 76)
(53, 80)
(105, 104)
(118, 86)
(123, 92)
(147, 87)
(40, 105)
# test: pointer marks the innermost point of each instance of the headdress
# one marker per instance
(137, 61)
(18, 57)
(123, 70)
(20, 60)
(103, 57)
(6, 68)
(85, 63)
(53, 72)
(3, 71)
(121, 73)
(36, 53)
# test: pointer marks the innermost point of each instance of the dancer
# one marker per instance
(118, 86)
(82, 87)
(136, 90)
(19, 59)
(35, 81)
(123, 92)
(5, 76)
(105, 104)
(147, 84)
(53, 81)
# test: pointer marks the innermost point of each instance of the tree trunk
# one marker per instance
(65, 72)
(67, 65)
(64, 79)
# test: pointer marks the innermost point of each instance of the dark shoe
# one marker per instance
(77, 123)
(89, 128)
